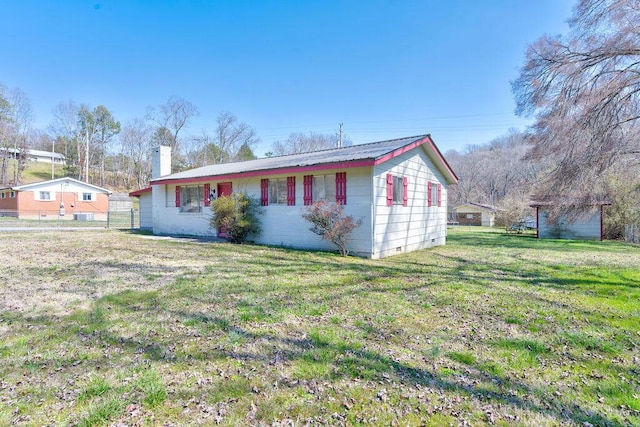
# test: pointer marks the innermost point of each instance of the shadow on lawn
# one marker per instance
(315, 279)
(345, 360)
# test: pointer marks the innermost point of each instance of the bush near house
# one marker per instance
(237, 215)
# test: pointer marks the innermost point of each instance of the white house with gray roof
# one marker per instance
(397, 187)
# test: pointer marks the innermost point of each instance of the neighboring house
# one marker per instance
(587, 224)
(476, 214)
(37, 155)
(46, 156)
(64, 198)
(398, 188)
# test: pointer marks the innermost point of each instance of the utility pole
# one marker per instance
(86, 158)
(340, 136)
(53, 150)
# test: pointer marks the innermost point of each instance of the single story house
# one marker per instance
(64, 198)
(398, 188)
(584, 224)
(475, 214)
(35, 155)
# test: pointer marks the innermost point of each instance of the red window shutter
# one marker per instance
(405, 191)
(291, 191)
(177, 196)
(439, 195)
(264, 192)
(389, 189)
(207, 191)
(308, 189)
(341, 188)
(429, 195)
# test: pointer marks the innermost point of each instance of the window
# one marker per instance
(87, 196)
(278, 191)
(397, 190)
(45, 195)
(12, 194)
(398, 193)
(324, 187)
(434, 194)
(191, 199)
(3, 195)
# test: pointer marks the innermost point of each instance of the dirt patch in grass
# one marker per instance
(56, 272)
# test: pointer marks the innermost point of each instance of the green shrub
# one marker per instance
(237, 215)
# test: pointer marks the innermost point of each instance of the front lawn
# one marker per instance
(111, 328)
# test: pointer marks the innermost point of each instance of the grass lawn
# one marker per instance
(111, 328)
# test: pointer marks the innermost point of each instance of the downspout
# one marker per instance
(537, 222)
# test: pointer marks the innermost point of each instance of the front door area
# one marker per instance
(224, 189)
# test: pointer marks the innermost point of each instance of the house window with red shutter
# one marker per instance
(439, 195)
(189, 198)
(433, 197)
(397, 190)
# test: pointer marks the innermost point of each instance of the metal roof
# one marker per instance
(355, 153)
(65, 180)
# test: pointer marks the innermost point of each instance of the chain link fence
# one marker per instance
(129, 219)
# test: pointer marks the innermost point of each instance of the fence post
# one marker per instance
(132, 218)
(108, 219)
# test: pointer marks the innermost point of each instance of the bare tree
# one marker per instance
(233, 136)
(16, 117)
(106, 128)
(493, 172)
(65, 131)
(299, 142)
(135, 141)
(170, 119)
(584, 91)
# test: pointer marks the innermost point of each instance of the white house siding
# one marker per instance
(145, 209)
(586, 227)
(282, 225)
(167, 218)
(416, 226)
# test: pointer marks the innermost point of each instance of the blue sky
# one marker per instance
(384, 69)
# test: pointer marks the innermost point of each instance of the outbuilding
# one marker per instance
(398, 188)
(476, 214)
(583, 222)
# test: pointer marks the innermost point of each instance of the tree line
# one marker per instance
(582, 90)
(101, 150)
